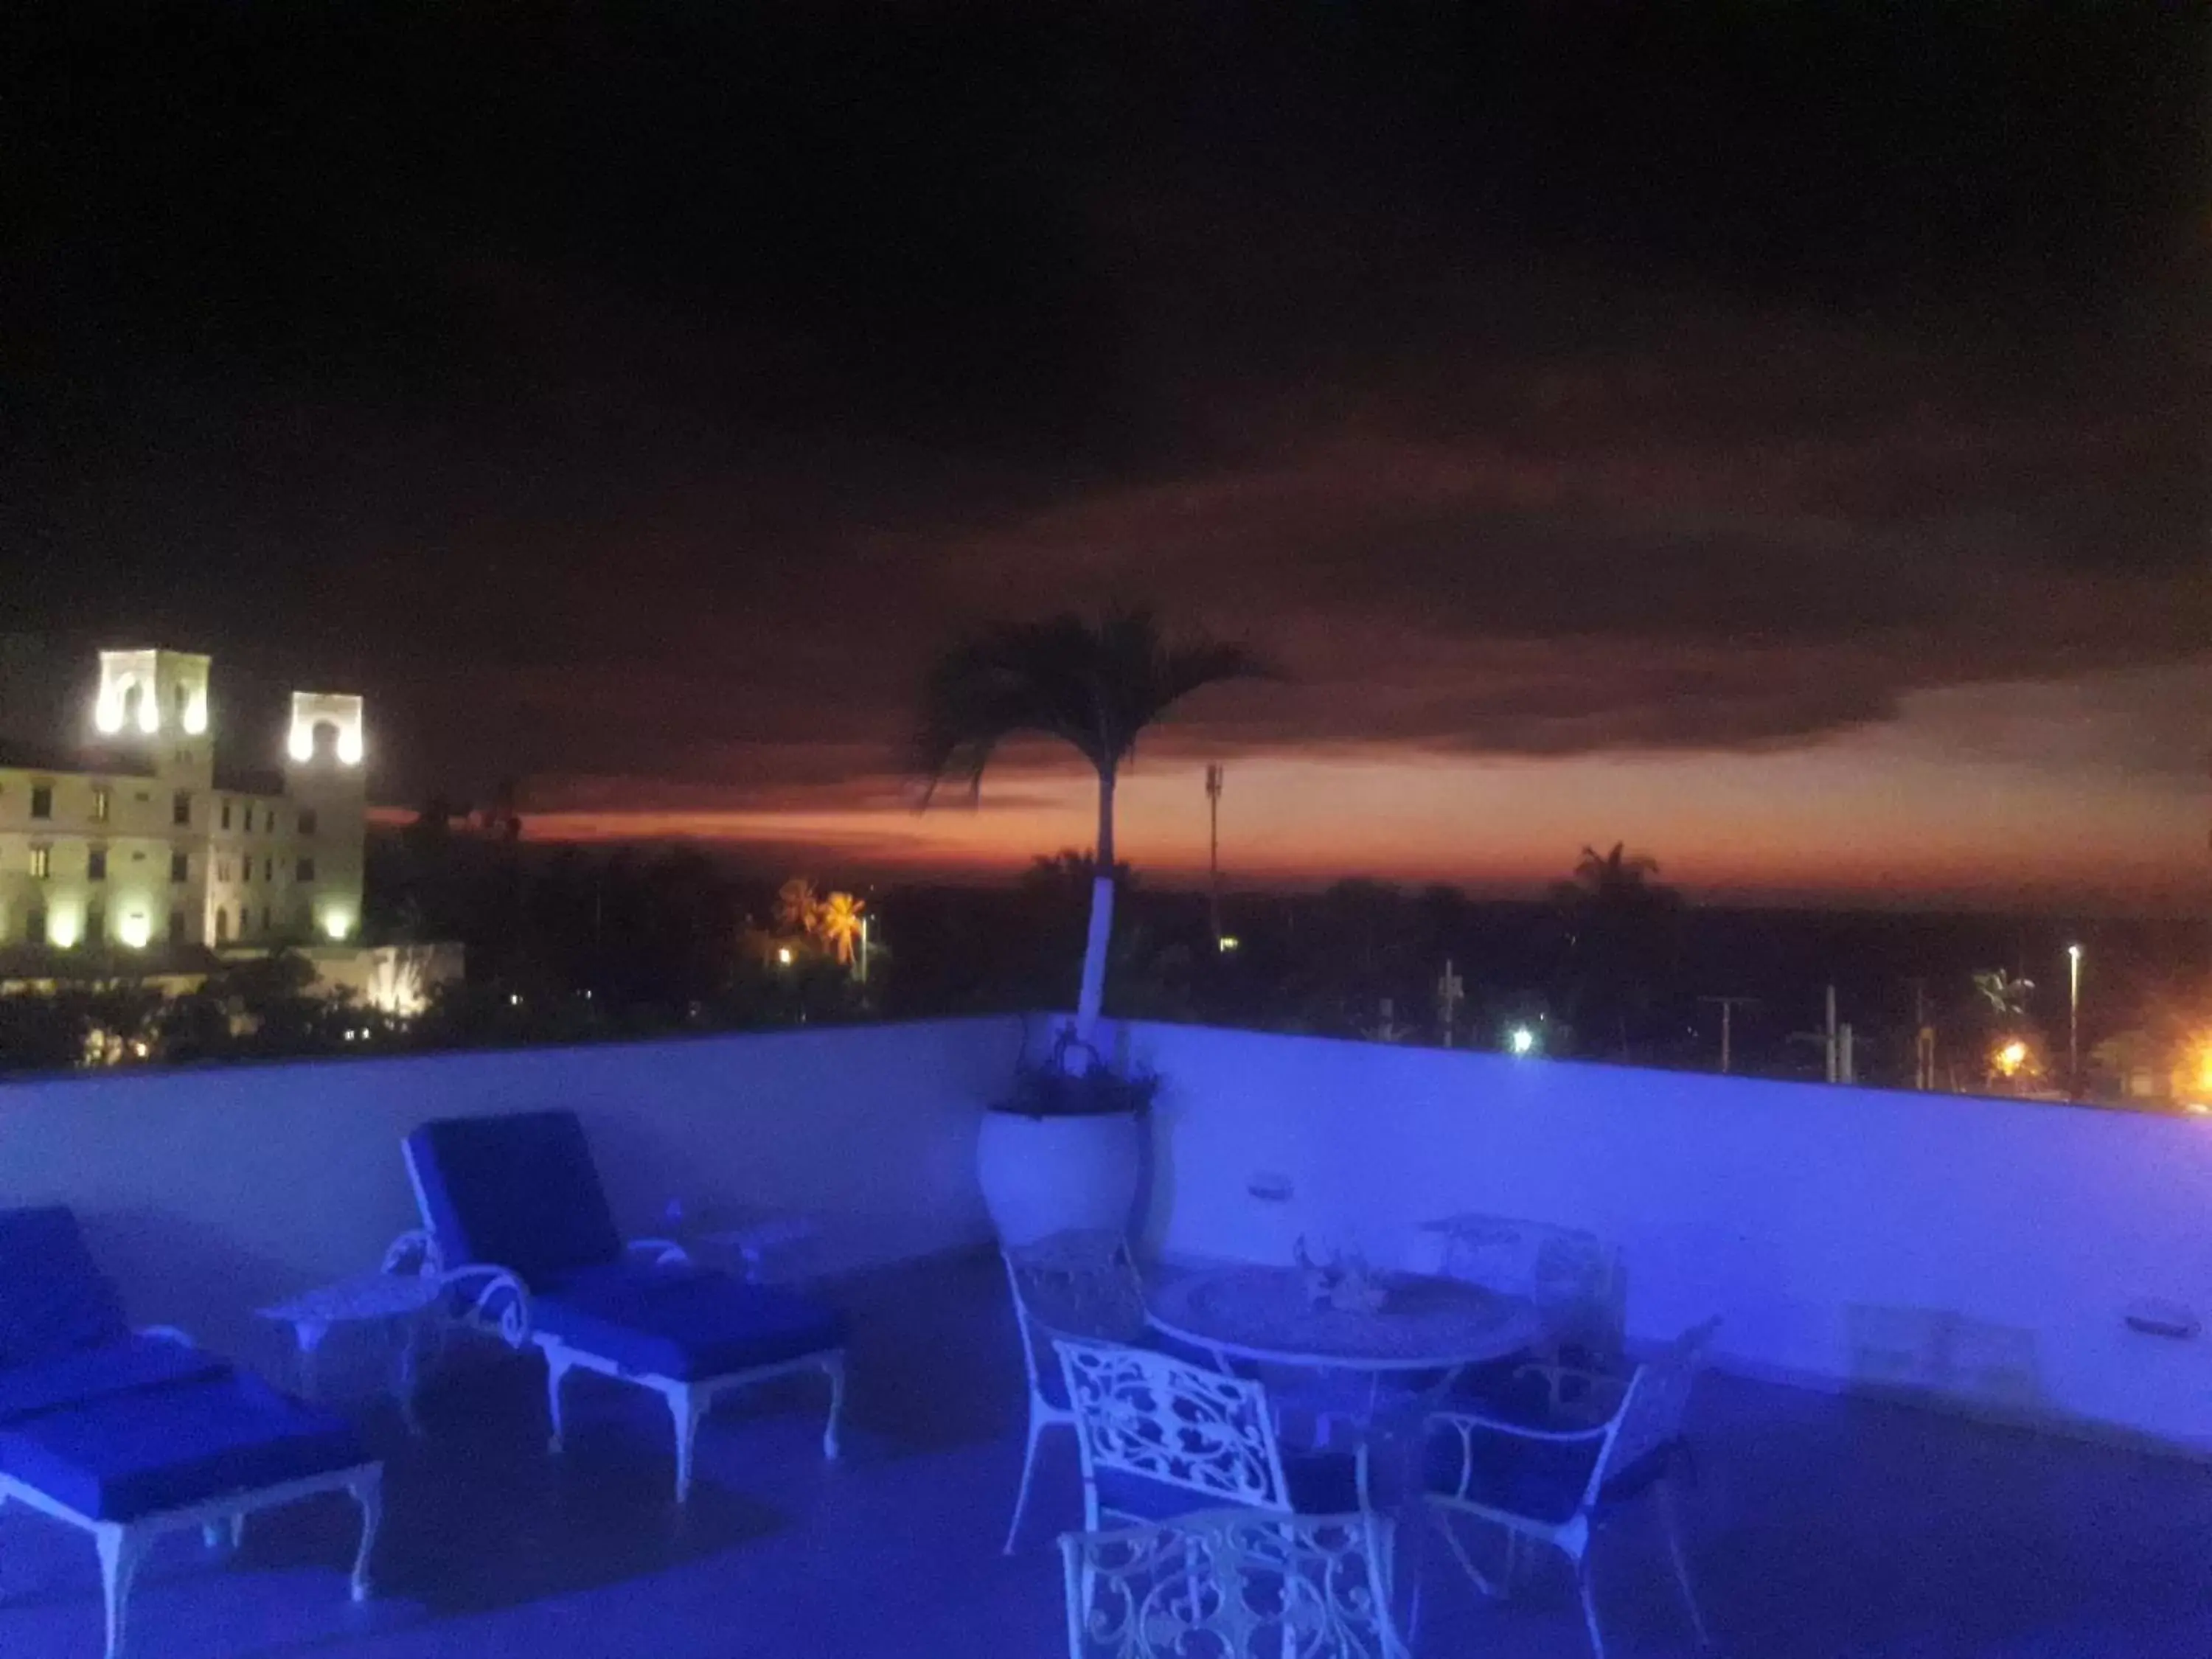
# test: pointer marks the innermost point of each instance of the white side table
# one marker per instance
(405, 1305)
(413, 1297)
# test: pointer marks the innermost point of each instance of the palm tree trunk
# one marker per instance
(1102, 918)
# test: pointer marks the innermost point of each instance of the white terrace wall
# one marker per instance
(210, 1191)
(1980, 1251)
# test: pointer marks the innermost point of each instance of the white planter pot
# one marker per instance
(1040, 1174)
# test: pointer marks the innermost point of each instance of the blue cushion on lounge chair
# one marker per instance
(130, 1454)
(683, 1322)
(88, 1374)
(54, 1300)
(520, 1191)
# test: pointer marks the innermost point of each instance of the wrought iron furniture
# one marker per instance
(1159, 1437)
(1576, 1282)
(1555, 1483)
(520, 1193)
(1357, 1368)
(129, 1435)
(1232, 1582)
(1083, 1283)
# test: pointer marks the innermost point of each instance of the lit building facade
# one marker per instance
(147, 838)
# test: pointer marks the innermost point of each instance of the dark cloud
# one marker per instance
(631, 404)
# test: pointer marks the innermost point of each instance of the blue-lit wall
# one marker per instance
(1982, 1250)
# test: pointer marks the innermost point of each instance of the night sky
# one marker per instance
(1771, 434)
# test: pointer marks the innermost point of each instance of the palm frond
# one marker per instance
(1092, 685)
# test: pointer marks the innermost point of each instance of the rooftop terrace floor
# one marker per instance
(1821, 1527)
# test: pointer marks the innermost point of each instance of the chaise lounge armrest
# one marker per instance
(655, 1253)
(488, 1297)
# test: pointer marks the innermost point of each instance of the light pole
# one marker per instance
(2074, 1020)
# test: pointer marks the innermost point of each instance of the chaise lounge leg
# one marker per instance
(556, 1368)
(119, 1552)
(687, 1406)
(369, 1492)
(834, 1366)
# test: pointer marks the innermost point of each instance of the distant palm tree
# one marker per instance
(2005, 995)
(1094, 685)
(796, 906)
(837, 924)
(1619, 918)
(1616, 876)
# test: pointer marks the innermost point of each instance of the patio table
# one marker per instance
(1264, 1315)
(1427, 1326)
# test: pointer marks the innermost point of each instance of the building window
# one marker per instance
(222, 927)
(306, 869)
(264, 918)
(180, 866)
(246, 869)
(269, 869)
(95, 865)
(96, 923)
(180, 810)
(176, 926)
(42, 862)
(99, 799)
(42, 801)
(307, 821)
(226, 815)
(34, 926)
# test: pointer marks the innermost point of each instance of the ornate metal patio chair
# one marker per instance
(1577, 1282)
(1555, 1484)
(129, 1435)
(1160, 1437)
(1083, 1283)
(1232, 1582)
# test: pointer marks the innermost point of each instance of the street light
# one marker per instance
(1520, 1040)
(2074, 1020)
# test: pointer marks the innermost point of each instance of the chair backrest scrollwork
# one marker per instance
(1152, 1417)
(1230, 1582)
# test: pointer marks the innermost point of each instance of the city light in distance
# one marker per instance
(2011, 1057)
(1520, 1040)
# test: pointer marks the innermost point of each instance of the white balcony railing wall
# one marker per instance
(1986, 1252)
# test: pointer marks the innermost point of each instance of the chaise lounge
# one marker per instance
(129, 1435)
(520, 1192)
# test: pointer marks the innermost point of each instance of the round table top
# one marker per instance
(1265, 1314)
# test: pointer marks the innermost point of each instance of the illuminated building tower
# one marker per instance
(146, 836)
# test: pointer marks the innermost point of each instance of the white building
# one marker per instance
(146, 838)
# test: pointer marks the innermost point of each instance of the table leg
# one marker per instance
(308, 1333)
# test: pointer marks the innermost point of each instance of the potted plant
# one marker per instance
(1095, 686)
(1065, 1148)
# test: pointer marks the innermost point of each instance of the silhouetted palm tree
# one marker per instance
(1094, 685)
(1618, 919)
